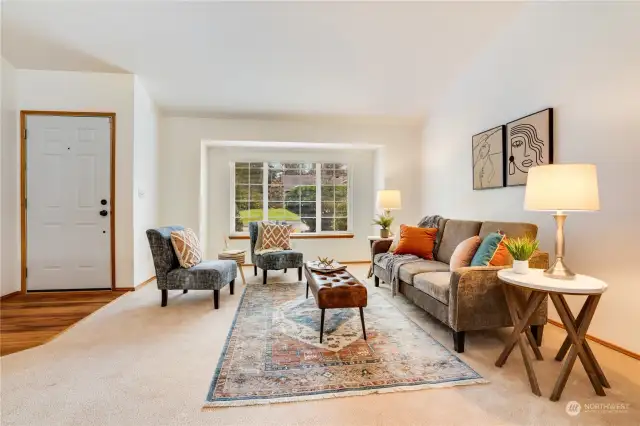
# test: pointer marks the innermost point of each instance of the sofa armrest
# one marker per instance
(477, 302)
(381, 246)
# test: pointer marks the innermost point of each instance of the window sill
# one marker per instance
(308, 236)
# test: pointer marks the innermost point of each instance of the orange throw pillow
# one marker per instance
(501, 257)
(417, 241)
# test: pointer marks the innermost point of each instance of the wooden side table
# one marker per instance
(238, 256)
(575, 343)
(372, 239)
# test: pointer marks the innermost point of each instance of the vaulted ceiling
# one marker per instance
(378, 58)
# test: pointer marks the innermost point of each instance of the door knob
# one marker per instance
(103, 202)
(103, 213)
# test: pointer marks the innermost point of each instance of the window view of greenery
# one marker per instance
(292, 192)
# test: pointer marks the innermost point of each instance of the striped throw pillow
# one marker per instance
(276, 236)
(187, 247)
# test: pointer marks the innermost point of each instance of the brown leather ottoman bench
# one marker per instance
(336, 290)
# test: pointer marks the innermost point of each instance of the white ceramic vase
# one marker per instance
(521, 266)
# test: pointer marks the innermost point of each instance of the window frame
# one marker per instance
(265, 198)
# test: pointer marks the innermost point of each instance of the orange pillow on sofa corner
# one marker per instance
(501, 257)
(417, 241)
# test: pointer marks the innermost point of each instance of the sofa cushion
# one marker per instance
(411, 269)
(435, 284)
(455, 232)
(510, 229)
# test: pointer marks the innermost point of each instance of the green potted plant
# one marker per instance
(384, 222)
(521, 249)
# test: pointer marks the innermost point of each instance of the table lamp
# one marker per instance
(389, 199)
(560, 188)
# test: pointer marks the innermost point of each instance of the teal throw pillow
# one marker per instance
(487, 248)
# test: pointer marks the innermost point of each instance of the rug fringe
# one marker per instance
(211, 406)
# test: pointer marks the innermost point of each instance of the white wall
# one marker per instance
(145, 184)
(9, 185)
(180, 157)
(94, 92)
(362, 196)
(582, 59)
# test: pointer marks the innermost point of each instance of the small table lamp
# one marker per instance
(562, 187)
(389, 199)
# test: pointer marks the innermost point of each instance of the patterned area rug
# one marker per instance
(273, 353)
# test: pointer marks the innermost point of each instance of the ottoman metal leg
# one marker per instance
(255, 271)
(364, 331)
(163, 303)
(231, 286)
(185, 291)
(300, 273)
(285, 270)
(264, 276)
(321, 323)
(216, 299)
(307, 296)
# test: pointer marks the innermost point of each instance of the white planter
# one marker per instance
(521, 266)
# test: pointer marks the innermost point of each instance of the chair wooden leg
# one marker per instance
(231, 286)
(185, 291)
(537, 331)
(300, 273)
(364, 331)
(321, 324)
(165, 294)
(458, 341)
(264, 276)
(377, 281)
(255, 271)
(285, 270)
(216, 299)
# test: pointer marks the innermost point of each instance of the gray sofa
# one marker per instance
(469, 298)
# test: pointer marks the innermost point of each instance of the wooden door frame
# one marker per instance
(23, 182)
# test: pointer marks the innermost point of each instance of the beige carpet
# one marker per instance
(134, 363)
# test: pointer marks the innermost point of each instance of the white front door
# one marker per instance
(68, 203)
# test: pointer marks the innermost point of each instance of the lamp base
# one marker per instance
(559, 271)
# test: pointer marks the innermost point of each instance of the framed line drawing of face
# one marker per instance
(529, 144)
(488, 158)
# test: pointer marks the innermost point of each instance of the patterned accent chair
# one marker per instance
(207, 275)
(274, 261)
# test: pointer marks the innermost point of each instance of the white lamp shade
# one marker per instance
(389, 199)
(562, 187)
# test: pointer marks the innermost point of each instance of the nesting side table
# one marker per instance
(575, 343)
(238, 256)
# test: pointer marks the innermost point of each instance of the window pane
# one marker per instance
(275, 177)
(255, 176)
(242, 165)
(327, 166)
(276, 193)
(278, 212)
(328, 209)
(256, 165)
(327, 193)
(341, 193)
(242, 192)
(255, 193)
(341, 177)
(242, 175)
(341, 209)
(327, 177)
(288, 166)
(308, 169)
(294, 209)
(341, 224)
(327, 225)
(308, 209)
(256, 207)
(292, 194)
(308, 224)
(239, 226)
(308, 193)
